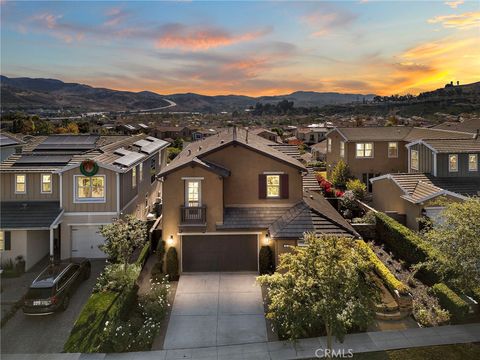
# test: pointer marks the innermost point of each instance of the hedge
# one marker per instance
(382, 271)
(405, 243)
(142, 257)
(85, 336)
(450, 301)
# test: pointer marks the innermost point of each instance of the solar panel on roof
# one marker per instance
(152, 147)
(122, 151)
(142, 143)
(151, 138)
(5, 141)
(129, 159)
(57, 160)
(71, 139)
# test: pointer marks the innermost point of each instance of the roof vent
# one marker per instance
(199, 148)
(189, 152)
(221, 141)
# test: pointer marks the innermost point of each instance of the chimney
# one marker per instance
(246, 136)
(234, 132)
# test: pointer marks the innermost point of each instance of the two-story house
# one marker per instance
(373, 151)
(227, 195)
(58, 192)
(436, 167)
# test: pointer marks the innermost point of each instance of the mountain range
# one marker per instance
(43, 95)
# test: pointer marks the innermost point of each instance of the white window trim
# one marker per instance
(90, 200)
(189, 180)
(342, 149)
(365, 157)
(279, 186)
(388, 150)
(449, 168)
(15, 183)
(41, 183)
(411, 158)
(476, 163)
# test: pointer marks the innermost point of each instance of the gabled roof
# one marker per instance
(454, 146)
(201, 148)
(398, 133)
(419, 187)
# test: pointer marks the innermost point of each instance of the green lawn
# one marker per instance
(444, 352)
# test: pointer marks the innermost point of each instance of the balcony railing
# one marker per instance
(193, 215)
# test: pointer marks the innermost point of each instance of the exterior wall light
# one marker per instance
(267, 237)
(170, 240)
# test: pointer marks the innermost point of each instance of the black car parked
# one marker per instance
(52, 289)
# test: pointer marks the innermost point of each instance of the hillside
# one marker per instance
(52, 95)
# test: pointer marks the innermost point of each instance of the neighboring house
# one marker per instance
(202, 134)
(319, 151)
(467, 125)
(240, 191)
(9, 144)
(264, 133)
(173, 132)
(373, 151)
(311, 135)
(440, 167)
(61, 188)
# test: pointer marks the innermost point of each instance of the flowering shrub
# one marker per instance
(154, 304)
(115, 277)
(339, 193)
(428, 312)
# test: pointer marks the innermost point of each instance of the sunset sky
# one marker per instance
(250, 48)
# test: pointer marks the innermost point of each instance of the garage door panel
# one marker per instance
(86, 241)
(219, 253)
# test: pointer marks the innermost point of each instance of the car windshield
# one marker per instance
(39, 293)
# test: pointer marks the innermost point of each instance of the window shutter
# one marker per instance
(8, 240)
(284, 186)
(262, 186)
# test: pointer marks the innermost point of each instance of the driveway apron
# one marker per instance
(213, 309)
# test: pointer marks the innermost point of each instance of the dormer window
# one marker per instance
(472, 162)
(453, 163)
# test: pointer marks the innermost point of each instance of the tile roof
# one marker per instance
(467, 125)
(310, 181)
(28, 214)
(418, 185)
(290, 150)
(399, 133)
(454, 146)
(314, 214)
(200, 148)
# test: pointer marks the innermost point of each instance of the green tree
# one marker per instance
(455, 240)
(340, 174)
(122, 237)
(323, 284)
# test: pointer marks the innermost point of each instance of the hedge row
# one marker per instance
(142, 257)
(450, 301)
(400, 239)
(85, 336)
(383, 272)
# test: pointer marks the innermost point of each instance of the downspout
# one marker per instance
(435, 164)
(118, 194)
(60, 177)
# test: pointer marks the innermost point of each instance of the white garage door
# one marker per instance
(85, 242)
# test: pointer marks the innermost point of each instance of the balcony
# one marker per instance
(193, 215)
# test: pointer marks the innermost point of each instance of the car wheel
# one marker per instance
(66, 301)
(86, 273)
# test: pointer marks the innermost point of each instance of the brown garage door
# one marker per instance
(219, 253)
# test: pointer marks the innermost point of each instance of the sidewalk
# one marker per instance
(305, 348)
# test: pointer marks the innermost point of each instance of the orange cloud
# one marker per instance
(454, 4)
(196, 39)
(458, 21)
(323, 22)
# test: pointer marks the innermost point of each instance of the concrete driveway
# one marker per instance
(47, 334)
(216, 309)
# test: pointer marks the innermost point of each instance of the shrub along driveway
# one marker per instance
(48, 333)
(216, 309)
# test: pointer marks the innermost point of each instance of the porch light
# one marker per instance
(170, 240)
(267, 237)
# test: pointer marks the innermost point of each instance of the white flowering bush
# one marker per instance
(115, 277)
(154, 304)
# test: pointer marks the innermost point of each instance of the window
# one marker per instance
(329, 145)
(140, 172)
(20, 184)
(364, 150)
(134, 177)
(192, 195)
(46, 183)
(90, 189)
(472, 162)
(414, 160)
(342, 149)
(392, 149)
(273, 186)
(453, 163)
(153, 171)
(5, 240)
